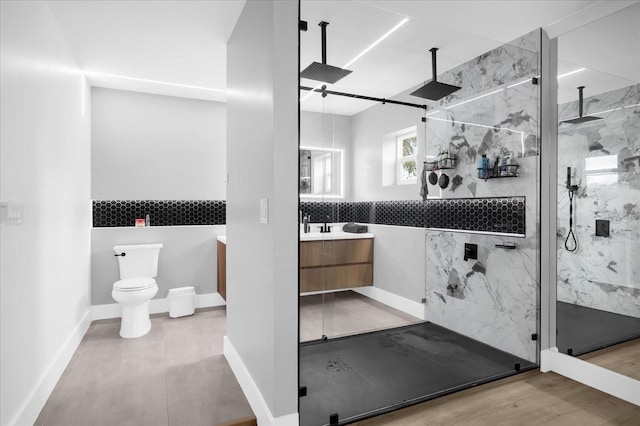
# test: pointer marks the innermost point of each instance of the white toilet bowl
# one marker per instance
(134, 295)
(138, 266)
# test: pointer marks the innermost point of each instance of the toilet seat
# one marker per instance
(134, 284)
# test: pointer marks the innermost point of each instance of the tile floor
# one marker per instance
(175, 375)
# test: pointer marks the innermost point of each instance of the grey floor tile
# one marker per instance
(112, 381)
(191, 339)
(204, 393)
(108, 398)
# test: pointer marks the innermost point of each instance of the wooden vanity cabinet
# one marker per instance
(336, 264)
(222, 269)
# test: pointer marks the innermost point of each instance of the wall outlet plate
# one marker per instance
(602, 228)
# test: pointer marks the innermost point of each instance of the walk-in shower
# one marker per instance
(441, 290)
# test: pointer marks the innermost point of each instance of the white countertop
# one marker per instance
(339, 235)
(319, 236)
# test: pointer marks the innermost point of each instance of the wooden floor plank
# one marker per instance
(623, 358)
(531, 398)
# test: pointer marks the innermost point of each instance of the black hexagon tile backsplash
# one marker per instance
(501, 215)
(112, 213)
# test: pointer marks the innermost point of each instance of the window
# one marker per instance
(602, 170)
(407, 165)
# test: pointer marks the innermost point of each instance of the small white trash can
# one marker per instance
(182, 301)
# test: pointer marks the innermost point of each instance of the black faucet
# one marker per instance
(325, 228)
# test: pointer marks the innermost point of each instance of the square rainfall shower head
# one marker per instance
(434, 90)
(325, 73)
(580, 120)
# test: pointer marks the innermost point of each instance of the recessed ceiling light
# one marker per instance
(571, 72)
(378, 41)
(144, 80)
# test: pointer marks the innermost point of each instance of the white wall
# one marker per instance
(369, 129)
(188, 258)
(155, 147)
(45, 159)
(262, 265)
(399, 260)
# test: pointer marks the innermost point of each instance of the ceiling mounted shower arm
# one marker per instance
(321, 71)
(434, 90)
(434, 68)
(323, 26)
(581, 117)
(580, 100)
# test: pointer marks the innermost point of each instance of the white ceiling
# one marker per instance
(178, 48)
(178, 42)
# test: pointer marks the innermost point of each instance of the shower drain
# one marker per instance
(338, 365)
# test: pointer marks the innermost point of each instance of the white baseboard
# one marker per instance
(30, 410)
(592, 375)
(156, 306)
(397, 302)
(252, 393)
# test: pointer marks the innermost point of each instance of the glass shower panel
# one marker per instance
(320, 183)
(482, 238)
(598, 284)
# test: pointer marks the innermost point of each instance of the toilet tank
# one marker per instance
(139, 260)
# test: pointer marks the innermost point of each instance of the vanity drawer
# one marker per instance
(336, 277)
(335, 252)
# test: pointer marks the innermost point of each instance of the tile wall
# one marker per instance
(495, 297)
(123, 213)
(496, 215)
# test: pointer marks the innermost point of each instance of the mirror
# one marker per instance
(598, 228)
(321, 172)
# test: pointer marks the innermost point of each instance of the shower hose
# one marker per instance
(571, 234)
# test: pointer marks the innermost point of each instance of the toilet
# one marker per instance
(138, 266)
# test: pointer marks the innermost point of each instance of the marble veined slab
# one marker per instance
(493, 298)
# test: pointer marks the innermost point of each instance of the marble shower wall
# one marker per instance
(603, 273)
(493, 299)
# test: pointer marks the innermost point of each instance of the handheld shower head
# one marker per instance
(569, 186)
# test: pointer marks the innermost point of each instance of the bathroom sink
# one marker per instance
(338, 235)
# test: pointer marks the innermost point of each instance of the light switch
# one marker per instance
(264, 210)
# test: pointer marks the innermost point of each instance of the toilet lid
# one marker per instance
(134, 283)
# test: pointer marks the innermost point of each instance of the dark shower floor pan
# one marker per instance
(583, 330)
(368, 374)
